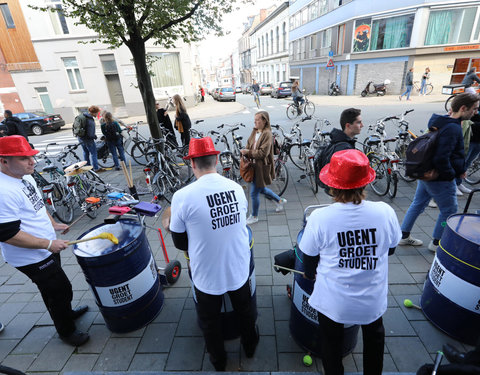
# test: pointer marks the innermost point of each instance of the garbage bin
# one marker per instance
(451, 295)
(122, 277)
(230, 323)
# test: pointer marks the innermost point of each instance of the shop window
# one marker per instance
(394, 32)
(450, 26)
(166, 70)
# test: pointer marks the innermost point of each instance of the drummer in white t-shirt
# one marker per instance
(209, 221)
(350, 240)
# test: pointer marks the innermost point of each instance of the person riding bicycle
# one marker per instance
(297, 94)
(256, 90)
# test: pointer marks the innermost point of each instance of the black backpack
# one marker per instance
(322, 158)
(419, 155)
(111, 133)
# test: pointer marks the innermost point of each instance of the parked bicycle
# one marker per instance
(428, 87)
(294, 110)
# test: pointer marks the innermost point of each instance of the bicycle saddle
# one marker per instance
(49, 168)
(306, 142)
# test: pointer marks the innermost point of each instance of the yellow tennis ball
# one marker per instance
(307, 360)
(407, 303)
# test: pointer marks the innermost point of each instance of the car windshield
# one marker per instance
(286, 84)
(228, 89)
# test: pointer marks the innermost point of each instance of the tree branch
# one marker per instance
(174, 22)
(85, 8)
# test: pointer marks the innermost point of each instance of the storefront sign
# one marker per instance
(462, 48)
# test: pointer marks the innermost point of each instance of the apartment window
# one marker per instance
(7, 16)
(304, 16)
(277, 34)
(292, 22)
(325, 42)
(323, 7)
(284, 36)
(450, 26)
(298, 20)
(259, 45)
(108, 64)
(313, 10)
(166, 70)
(340, 39)
(73, 73)
(394, 32)
(263, 47)
(271, 42)
(57, 17)
(266, 44)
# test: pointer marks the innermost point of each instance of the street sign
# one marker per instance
(330, 64)
(330, 54)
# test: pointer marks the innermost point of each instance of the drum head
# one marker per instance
(75, 166)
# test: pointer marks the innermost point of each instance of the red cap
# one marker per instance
(348, 169)
(16, 145)
(201, 147)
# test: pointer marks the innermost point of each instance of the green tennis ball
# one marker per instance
(307, 360)
(407, 303)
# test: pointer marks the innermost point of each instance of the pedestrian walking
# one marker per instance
(209, 222)
(14, 125)
(165, 122)
(469, 79)
(113, 136)
(448, 163)
(202, 92)
(87, 141)
(260, 149)
(346, 247)
(27, 237)
(423, 82)
(408, 84)
(182, 120)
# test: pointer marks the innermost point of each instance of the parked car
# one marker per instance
(266, 88)
(238, 90)
(215, 93)
(39, 122)
(226, 94)
(281, 90)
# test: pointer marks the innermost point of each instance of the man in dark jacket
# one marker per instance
(351, 123)
(408, 84)
(470, 79)
(88, 141)
(164, 120)
(14, 125)
(448, 162)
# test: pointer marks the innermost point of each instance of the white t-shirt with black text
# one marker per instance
(212, 210)
(352, 275)
(21, 200)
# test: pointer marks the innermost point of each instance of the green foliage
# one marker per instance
(127, 22)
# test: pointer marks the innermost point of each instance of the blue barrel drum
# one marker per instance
(451, 296)
(303, 317)
(230, 324)
(123, 277)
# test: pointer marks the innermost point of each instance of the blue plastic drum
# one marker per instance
(451, 296)
(304, 318)
(123, 277)
(230, 323)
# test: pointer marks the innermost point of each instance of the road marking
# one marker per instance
(246, 111)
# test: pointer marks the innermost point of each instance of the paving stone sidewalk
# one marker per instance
(173, 341)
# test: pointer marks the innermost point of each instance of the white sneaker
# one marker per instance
(458, 193)
(280, 205)
(432, 204)
(252, 220)
(432, 247)
(410, 241)
(464, 189)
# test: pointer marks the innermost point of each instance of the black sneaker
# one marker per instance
(77, 338)
(79, 311)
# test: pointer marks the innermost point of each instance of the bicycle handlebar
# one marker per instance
(407, 112)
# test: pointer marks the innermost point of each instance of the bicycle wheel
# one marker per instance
(473, 173)
(95, 180)
(295, 152)
(428, 89)
(106, 162)
(381, 184)
(292, 112)
(401, 151)
(138, 152)
(280, 182)
(311, 175)
(392, 188)
(309, 108)
(448, 102)
(62, 204)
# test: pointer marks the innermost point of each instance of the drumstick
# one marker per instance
(101, 236)
(74, 222)
(288, 269)
(130, 167)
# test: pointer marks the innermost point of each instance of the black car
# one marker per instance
(282, 90)
(38, 123)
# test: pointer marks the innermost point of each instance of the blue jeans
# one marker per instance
(407, 91)
(113, 146)
(444, 194)
(255, 195)
(473, 152)
(423, 87)
(88, 146)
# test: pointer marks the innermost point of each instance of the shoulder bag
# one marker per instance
(247, 170)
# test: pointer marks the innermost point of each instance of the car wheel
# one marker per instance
(37, 129)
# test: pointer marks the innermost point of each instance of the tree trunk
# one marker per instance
(137, 48)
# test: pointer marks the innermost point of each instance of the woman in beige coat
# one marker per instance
(260, 149)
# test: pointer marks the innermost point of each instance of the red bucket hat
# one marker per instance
(201, 147)
(348, 169)
(15, 145)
